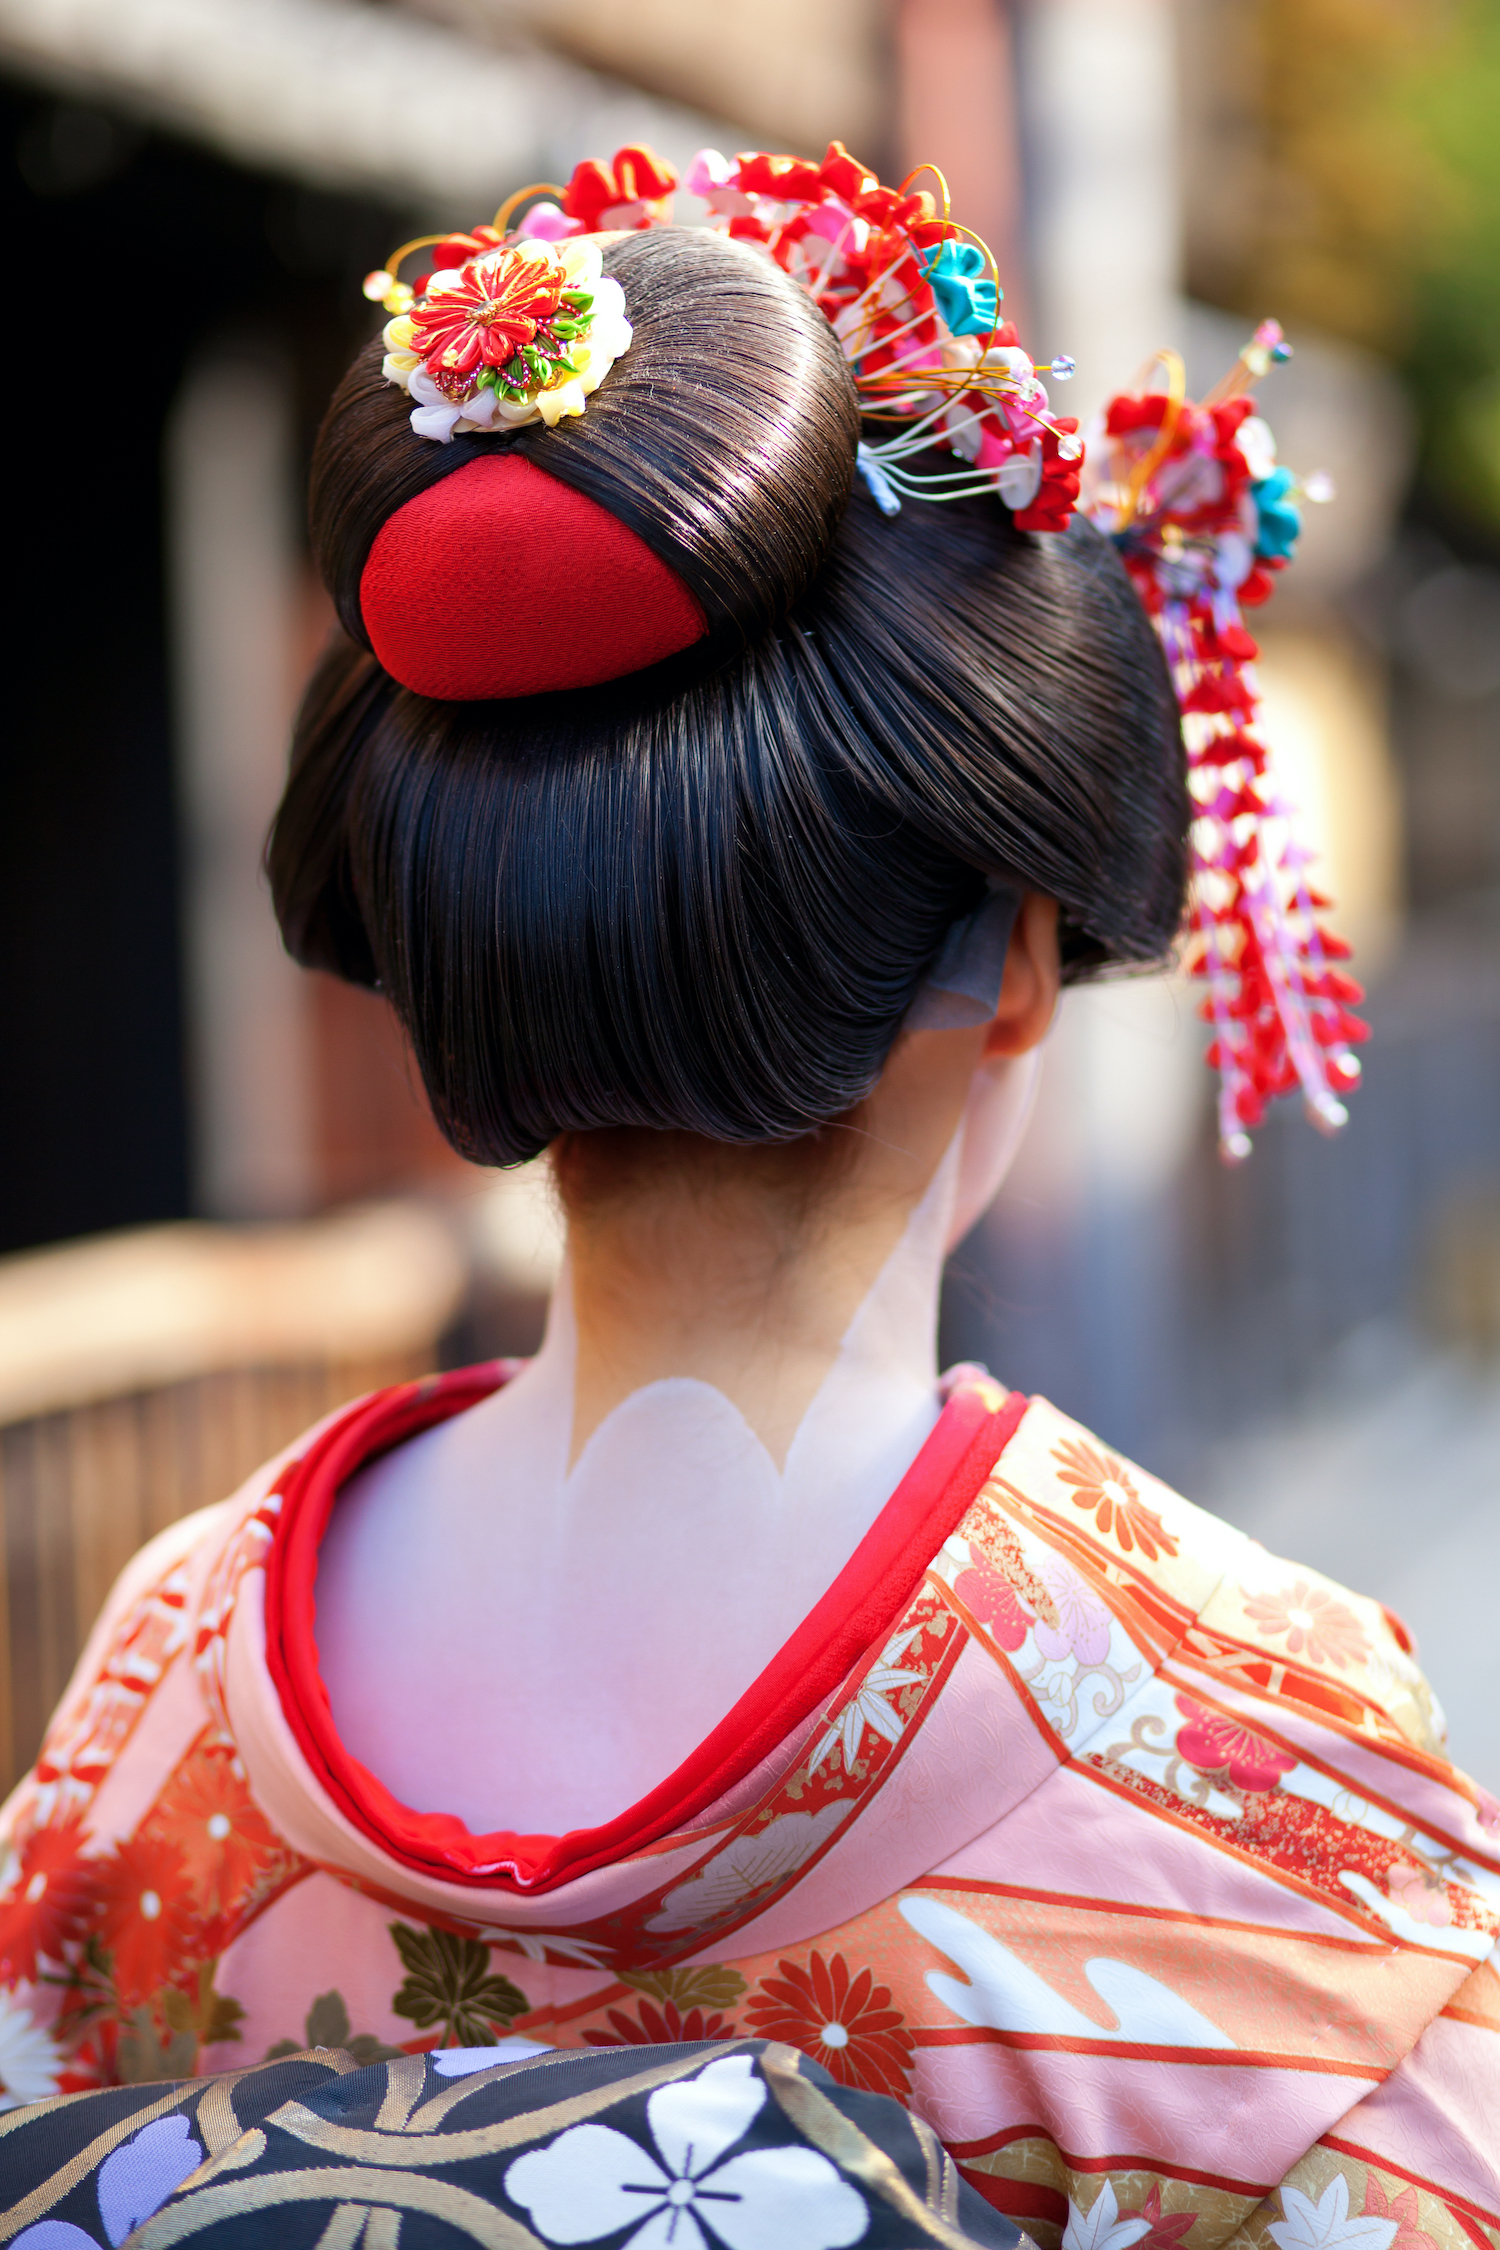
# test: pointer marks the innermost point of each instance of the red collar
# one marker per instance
(858, 1610)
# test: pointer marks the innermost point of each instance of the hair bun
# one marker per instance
(724, 438)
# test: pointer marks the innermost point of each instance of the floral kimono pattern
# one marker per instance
(1121, 1852)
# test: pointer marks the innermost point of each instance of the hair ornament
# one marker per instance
(500, 333)
(517, 324)
(516, 327)
(915, 300)
(1204, 517)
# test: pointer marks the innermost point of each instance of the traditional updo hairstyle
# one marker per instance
(701, 897)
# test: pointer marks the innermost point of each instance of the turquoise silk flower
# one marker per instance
(961, 281)
(1280, 521)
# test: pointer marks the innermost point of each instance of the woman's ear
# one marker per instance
(1032, 980)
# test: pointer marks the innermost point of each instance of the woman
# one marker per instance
(728, 829)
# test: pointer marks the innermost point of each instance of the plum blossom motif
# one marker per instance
(1315, 1623)
(868, 1706)
(1418, 1895)
(1102, 1485)
(634, 191)
(593, 2181)
(988, 1595)
(1082, 1628)
(844, 2022)
(1326, 2224)
(1216, 1744)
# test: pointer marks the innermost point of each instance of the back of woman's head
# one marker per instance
(703, 896)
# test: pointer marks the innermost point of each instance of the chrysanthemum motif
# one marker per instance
(658, 2027)
(486, 313)
(146, 1921)
(46, 1901)
(1317, 1626)
(228, 1846)
(844, 2022)
(524, 331)
(29, 2061)
(1102, 1484)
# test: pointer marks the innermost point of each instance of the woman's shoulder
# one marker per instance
(1197, 1586)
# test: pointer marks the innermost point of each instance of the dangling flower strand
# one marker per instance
(1204, 518)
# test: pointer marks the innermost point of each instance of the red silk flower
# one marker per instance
(634, 191)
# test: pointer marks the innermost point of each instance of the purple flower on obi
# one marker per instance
(964, 287)
(139, 2177)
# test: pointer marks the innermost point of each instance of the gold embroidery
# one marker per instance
(467, 2214)
(828, 2129)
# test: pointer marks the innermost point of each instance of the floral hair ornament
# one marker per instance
(915, 300)
(1193, 498)
(505, 330)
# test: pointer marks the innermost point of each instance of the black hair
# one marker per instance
(702, 898)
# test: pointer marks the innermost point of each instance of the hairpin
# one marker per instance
(914, 300)
(1204, 518)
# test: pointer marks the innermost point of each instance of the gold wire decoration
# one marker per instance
(1145, 469)
(500, 223)
(501, 220)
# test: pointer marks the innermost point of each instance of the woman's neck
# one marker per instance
(729, 1267)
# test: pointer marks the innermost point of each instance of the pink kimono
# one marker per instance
(1121, 1851)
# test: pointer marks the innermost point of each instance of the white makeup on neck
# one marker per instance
(582, 1630)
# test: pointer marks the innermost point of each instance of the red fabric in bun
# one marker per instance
(501, 581)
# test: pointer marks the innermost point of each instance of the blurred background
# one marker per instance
(222, 1205)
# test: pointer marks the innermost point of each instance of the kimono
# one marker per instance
(1122, 1853)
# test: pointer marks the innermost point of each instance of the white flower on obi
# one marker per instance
(1326, 2224)
(29, 2061)
(592, 2180)
(869, 1707)
(1101, 2227)
(748, 1865)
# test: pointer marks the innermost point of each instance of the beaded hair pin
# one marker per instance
(518, 323)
